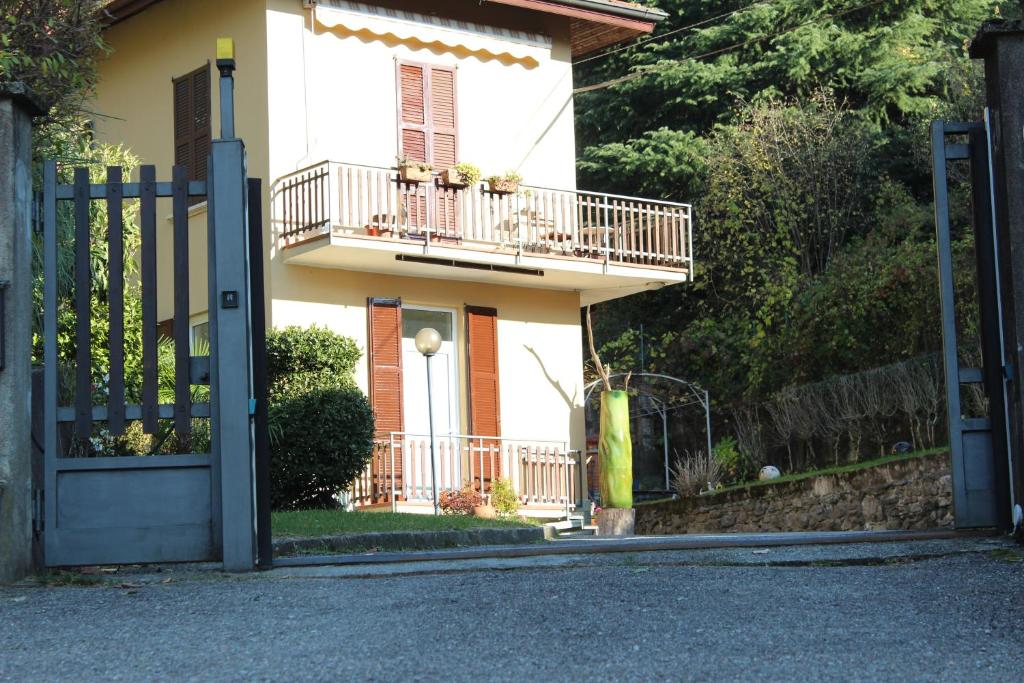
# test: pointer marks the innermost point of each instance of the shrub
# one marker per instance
(735, 465)
(322, 440)
(694, 473)
(321, 425)
(294, 352)
(504, 498)
(460, 502)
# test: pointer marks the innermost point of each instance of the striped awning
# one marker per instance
(432, 31)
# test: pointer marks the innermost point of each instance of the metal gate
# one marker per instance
(980, 444)
(190, 495)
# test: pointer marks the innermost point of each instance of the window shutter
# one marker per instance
(443, 141)
(482, 360)
(412, 109)
(385, 359)
(192, 123)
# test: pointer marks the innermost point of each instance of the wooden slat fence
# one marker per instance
(90, 405)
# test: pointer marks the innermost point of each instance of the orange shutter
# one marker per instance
(482, 359)
(444, 143)
(385, 359)
(413, 136)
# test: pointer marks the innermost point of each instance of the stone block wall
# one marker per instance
(906, 494)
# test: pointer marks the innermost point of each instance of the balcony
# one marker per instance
(365, 218)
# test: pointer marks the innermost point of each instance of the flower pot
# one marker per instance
(452, 178)
(615, 451)
(412, 173)
(502, 185)
(373, 231)
(485, 511)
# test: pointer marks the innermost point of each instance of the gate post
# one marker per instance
(16, 110)
(231, 335)
(1001, 45)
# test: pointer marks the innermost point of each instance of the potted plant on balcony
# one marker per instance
(461, 174)
(504, 184)
(411, 171)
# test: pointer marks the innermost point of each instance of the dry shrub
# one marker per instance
(460, 502)
(695, 473)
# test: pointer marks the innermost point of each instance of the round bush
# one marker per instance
(296, 350)
(321, 439)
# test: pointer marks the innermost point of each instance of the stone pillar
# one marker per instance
(16, 110)
(1001, 45)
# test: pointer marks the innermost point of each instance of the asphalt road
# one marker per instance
(655, 616)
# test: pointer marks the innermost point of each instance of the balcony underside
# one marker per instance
(595, 279)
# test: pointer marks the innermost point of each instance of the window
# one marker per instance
(199, 338)
(192, 123)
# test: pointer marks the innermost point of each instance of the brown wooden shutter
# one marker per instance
(192, 122)
(444, 142)
(482, 361)
(412, 111)
(443, 135)
(385, 359)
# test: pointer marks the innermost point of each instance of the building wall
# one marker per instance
(539, 339)
(510, 116)
(333, 95)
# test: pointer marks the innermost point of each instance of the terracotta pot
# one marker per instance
(373, 231)
(503, 185)
(484, 511)
(412, 173)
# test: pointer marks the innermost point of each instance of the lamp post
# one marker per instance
(428, 342)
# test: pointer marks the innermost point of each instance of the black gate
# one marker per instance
(980, 445)
(149, 453)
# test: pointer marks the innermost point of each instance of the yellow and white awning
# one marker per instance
(439, 33)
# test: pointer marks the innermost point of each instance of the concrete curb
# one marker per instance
(411, 540)
(632, 544)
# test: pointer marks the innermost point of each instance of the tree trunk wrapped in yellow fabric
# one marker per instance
(615, 451)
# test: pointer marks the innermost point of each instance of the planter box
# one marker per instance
(414, 174)
(503, 186)
(451, 177)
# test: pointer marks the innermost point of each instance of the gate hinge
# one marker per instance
(37, 511)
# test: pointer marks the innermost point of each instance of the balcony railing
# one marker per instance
(350, 199)
(542, 473)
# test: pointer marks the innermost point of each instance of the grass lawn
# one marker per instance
(331, 522)
(853, 467)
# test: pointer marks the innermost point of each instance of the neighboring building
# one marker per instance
(329, 94)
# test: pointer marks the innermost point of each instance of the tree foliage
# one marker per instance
(798, 129)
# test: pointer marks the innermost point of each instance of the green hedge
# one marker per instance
(321, 424)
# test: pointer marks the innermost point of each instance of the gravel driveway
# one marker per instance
(655, 616)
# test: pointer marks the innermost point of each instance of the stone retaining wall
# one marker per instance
(906, 494)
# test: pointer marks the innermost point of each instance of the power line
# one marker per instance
(672, 32)
(641, 72)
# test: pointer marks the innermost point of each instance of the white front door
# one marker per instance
(444, 401)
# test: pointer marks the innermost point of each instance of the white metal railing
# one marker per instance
(371, 200)
(542, 472)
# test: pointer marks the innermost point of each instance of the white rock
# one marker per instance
(769, 472)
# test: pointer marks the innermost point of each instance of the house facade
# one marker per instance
(330, 95)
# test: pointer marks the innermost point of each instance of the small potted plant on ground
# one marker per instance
(411, 171)
(504, 184)
(461, 174)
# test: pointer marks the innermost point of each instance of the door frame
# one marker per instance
(454, 373)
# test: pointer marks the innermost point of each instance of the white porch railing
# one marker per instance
(373, 201)
(542, 473)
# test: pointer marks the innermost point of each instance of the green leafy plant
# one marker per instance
(734, 464)
(406, 162)
(468, 174)
(512, 177)
(321, 424)
(504, 498)
(460, 502)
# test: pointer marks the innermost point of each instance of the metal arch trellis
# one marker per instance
(697, 394)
